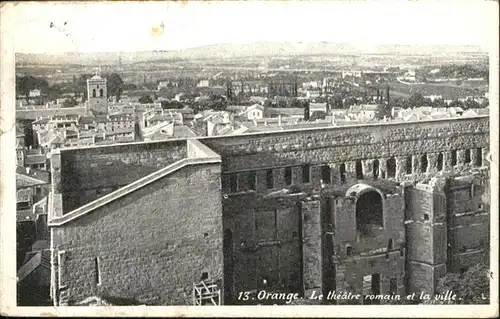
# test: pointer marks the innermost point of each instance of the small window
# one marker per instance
(93, 93)
(390, 244)
(342, 173)
(306, 173)
(204, 276)
(251, 180)
(426, 216)
(348, 250)
(97, 271)
(424, 163)
(233, 182)
(359, 170)
(288, 175)
(467, 156)
(409, 165)
(454, 158)
(101, 92)
(326, 174)
(269, 179)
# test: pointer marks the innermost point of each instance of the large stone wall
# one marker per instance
(468, 221)
(350, 143)
(85, 174)
(265, 243)
(151, 245)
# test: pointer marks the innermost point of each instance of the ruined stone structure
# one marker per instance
(370, 209)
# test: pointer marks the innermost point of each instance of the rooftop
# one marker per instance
(24, 181)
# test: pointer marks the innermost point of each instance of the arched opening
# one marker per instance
(390, 244)
(376, 167)
(93, 93)
(391, 167)
(409, 165)
(359, 170)
(288, 176)
(101, 92)
(479, 157)
(467, 157)
(325, 174)
(342, 173)
(424, 163)
(440, 162)
(348, 250)
(369, 211)
(453, 157)
(228, 263)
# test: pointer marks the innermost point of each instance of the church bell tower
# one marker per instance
(97, 93)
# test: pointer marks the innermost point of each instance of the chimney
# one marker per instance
(279, 120)
(28, 170)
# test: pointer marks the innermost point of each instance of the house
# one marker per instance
(35, 93)
(255, 111)
(165, 131)
(203, 83)
(120, 135)
(366, 111)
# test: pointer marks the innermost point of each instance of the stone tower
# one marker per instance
(97, 95)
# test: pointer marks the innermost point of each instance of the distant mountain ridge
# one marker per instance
(264, 49)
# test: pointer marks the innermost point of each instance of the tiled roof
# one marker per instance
(183, 131)
(23, 181)
(23, 114)
(42, 258)
(35, 159)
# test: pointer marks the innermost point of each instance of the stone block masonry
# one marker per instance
(89, 173)
(150, 245)
(349, 143)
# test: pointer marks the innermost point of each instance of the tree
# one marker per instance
(471, 286)
(457, 104)
(25, 84)
(471, 104)
(145, 99)
(115, 85)
(70, 102)
(416, 100)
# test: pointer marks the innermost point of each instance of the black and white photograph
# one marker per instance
(281, 154)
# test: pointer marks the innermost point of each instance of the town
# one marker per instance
(90, 136)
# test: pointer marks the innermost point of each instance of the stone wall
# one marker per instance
(468, 221)
(265, 242)
(348, 144)
(150, 245)
(85, 174)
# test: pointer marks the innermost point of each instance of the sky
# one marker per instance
(115, 27)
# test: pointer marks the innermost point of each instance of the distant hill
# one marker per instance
(264, 49)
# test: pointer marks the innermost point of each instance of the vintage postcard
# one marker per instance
(249, 158)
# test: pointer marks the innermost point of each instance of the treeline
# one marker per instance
(78, 87)
(461, 71)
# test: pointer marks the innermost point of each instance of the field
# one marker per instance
(449, 91)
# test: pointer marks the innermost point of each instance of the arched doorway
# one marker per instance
(369, 211)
